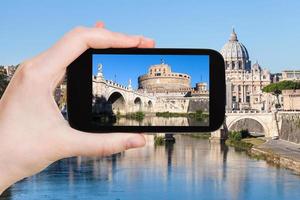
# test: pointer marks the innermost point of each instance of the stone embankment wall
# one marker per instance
(277, 159)
(198, 104)
(290, 127)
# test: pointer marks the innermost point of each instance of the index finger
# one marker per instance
(77, 41)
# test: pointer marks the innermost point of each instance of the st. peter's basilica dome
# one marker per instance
(235, 54)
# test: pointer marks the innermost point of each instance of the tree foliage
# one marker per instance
(276, 88)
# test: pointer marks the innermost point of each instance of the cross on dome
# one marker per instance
(233, 35)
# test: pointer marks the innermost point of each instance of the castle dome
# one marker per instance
(234, 51)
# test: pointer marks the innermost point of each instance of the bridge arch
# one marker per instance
(232, 122)
(117, 102)
(138, 103)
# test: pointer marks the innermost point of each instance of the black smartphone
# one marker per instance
(146, 90)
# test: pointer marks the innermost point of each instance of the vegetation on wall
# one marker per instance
(138, 116)
(198, 115)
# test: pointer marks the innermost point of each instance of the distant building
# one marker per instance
(291, 99)
(276, 77)
(244, 82)
(60, 93)
(8, 70)
(290, 75)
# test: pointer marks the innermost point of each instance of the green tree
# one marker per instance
(3, 83)
(276, 88)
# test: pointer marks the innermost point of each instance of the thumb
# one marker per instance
(92, 144)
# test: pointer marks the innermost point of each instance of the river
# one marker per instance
(189, 169)
(162, 121)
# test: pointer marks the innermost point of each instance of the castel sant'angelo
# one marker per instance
(161, 79)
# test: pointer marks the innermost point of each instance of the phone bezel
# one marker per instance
(79, 91)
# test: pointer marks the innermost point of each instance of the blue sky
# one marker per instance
(121, 68)
(268, 28)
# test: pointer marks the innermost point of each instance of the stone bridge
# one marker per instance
(123, 99)
(111, 96)
(270, 123)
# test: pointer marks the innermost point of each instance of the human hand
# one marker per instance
(33, 133)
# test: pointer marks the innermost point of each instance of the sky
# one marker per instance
(268, 28)
(121, 68)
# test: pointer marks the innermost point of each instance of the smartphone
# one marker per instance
(146, 90)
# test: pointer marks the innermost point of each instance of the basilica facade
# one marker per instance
(244, 82)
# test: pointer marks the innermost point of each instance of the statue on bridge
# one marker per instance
(129, 84)
(100, 73)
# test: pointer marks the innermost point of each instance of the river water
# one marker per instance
(162, 121)
(190, 169)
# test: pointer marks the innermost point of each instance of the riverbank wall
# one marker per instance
(290, 126)
(282, 155)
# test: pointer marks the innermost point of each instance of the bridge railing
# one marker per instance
(247, 111)
(112, 83)
(122, 87)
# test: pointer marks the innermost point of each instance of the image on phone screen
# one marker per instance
(150, 90)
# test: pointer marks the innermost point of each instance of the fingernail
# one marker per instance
(135, 141)
(149, 41)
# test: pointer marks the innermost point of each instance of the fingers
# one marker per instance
(74, 43)
(89, 144)
(146, 43)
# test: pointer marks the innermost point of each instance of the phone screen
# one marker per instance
(150, 90)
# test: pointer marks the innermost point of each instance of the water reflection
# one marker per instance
(189, 169)
(162, 121)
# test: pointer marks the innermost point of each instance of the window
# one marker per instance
(240, 66)
(248, 99)
(234, 99)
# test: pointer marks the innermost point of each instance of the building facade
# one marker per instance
(244, 82)
(290, 75)
(291, 100)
